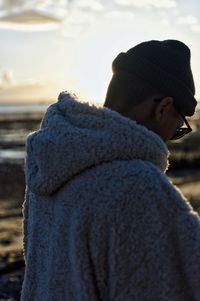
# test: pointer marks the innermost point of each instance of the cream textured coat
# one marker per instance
(102, 222)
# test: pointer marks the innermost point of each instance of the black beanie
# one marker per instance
(166, 66)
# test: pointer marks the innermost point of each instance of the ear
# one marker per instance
(163, 109)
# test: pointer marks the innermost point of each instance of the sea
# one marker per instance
(22, 108)
(12, 154)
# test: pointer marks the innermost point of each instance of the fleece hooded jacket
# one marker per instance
(102, 222)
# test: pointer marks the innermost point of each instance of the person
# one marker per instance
(102, 221)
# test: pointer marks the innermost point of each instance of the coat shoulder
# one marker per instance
(130, 183)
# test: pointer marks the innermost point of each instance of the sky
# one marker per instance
(48, 46)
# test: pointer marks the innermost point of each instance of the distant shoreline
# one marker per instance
(16, 126)
(22, 108)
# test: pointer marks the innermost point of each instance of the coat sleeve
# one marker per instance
(188, 238)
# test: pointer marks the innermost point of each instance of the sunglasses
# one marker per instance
(182, 131)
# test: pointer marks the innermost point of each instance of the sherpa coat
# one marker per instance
(102, 222)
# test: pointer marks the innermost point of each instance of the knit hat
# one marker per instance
(166, 66)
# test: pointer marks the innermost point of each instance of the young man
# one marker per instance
(101, 219)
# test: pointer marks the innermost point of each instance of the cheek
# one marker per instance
(178, 120)
(180, 123)
(169, 130)
(169, 134)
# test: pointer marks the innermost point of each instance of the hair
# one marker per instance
(126, 90)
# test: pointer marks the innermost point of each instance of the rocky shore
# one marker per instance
(11, 275)
(13, 131)
(11, 256)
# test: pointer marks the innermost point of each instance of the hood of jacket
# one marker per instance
(75, 136)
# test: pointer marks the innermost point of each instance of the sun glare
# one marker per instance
(93, 64)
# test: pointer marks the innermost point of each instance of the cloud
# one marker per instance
(13, 5)
(29, 21)
(77, 17)
(76, 23)
(29, 17)
(191, 21)
(81, 17)
(196, 27)
(188, 20)
(6, 78)
(29, 28)
(144, 3)
(23, 90)
(8, 81)
(58, 9)
(91, 5)
(33, 14)
(120, 15)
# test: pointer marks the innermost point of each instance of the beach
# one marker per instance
(184, 171)
(15, 124)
